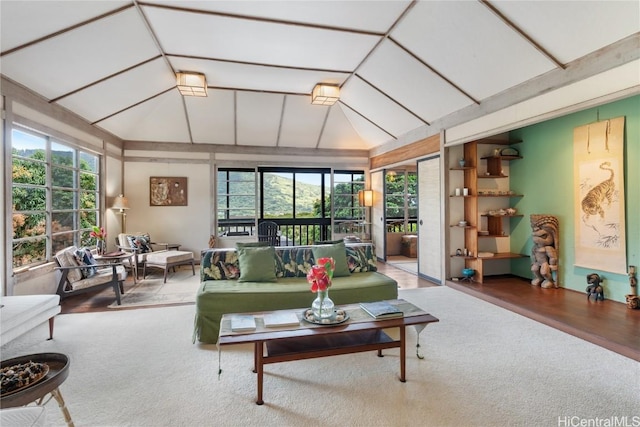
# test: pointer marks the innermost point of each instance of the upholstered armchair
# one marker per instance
(76, 276)
(140, 245)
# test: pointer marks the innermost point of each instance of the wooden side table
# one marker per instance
(58, 371)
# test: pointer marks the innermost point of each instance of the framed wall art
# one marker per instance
(168, 191)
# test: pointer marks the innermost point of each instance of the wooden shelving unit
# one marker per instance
(497, 225)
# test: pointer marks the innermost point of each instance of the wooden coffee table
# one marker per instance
(306, 341)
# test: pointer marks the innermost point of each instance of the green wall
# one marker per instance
(545, 177)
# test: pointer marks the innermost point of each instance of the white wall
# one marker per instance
(188, 225)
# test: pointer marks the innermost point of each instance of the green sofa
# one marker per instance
(221, 292)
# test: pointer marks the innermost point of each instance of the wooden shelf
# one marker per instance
(461, 226)
(504, 255)
(497, 228)
(501, 157)
(500, 195)
(489, 141)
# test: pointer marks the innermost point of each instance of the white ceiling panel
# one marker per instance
(121, 91)
(302, 122)
(258, 42)
(467, 43)
(375, 16)
(211, 118)
(258, 118)
(161, 119)
(365, 129)
(378, 108)
(391, 68)
(76, 58)
(256, 77)
(340, 133)
(569, 32)
(32, 20)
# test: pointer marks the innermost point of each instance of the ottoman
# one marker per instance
(167, 260)
(410, 246)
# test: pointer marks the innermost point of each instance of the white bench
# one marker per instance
(21, 313)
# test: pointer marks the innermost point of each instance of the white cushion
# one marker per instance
(22, 313)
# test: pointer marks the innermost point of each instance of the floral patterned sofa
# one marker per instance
(221, 292)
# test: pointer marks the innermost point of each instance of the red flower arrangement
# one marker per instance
(320, 275)
(98, 233)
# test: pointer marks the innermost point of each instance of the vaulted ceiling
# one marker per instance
(402, 65)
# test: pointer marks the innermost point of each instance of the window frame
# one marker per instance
(82, 217)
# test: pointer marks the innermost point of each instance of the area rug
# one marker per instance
(181, 288)
(483, 366)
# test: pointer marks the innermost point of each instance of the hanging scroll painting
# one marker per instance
(598, 150)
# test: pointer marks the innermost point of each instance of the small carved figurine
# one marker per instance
(594, 287)
(212, 241)
(633, 301)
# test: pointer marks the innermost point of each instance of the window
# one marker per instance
(236, 201)
(297, 199)
(401, 201)
(55, 196)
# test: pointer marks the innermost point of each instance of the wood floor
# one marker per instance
(608, 324)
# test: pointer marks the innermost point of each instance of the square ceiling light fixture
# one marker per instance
(191, 84)
(325, 94)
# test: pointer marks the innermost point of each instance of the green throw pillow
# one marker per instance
(251, 244)
(338, 252)
(257, 264)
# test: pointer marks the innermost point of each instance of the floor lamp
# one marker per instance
(122, 203)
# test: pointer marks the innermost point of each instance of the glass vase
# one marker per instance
(322, 307)
(101, 247)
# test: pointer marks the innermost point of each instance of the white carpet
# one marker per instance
(483, 366)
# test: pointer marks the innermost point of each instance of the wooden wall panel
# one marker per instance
(414, 150)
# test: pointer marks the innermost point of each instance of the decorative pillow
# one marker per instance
(84, 257)
(141, 243)
(219, 264)
(361, 258)
(67, 258)
(338, 252)
(251, 244)
(293, 261)
(257, 264)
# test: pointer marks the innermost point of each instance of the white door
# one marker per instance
(377, 214)
(429, 218)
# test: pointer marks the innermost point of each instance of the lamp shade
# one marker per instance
(191, 84)
(365, 198)
(120, 202)
(325, 94)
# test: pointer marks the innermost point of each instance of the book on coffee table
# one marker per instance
(281, 318)
(242, 322)
(381, 310)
